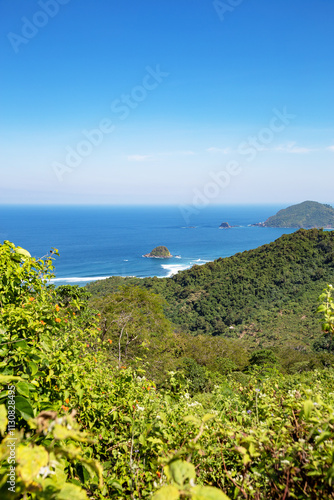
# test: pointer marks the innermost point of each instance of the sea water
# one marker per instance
(96, 242)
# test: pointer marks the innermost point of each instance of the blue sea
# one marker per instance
(96, 242)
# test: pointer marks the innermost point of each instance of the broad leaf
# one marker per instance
(167, 493)
(24, 408)
(207, 493)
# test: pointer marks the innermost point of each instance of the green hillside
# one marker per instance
(111, 401)
(308, 214)
(264, 297)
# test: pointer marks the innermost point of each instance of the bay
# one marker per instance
(95, 242)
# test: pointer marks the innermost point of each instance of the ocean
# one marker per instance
(96, 242)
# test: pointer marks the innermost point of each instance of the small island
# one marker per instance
(160, 252)
(226, 225)
(307, 215)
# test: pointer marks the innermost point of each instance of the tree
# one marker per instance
(134, 321)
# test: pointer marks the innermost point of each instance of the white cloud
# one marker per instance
(159, 155)
(186, 153)
(330, 148)
(291, 147)
(225, 151)
(139, 157)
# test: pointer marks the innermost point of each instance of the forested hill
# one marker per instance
(266, 296)
(308, 214)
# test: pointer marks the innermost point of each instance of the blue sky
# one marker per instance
(171, 101)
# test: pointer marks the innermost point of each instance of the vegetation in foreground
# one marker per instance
(89, 426)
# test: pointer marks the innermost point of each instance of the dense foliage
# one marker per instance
(308, 214)
(264, 297)
(220, 424)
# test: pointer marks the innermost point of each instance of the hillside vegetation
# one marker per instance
(308, 214)
(264, 297)
(80, 417)
(75, 422)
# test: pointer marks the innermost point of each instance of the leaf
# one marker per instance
(180, 472)
(33, 368)
(167, 493)
(23, 389)
(191, 418)
(60, 432)
(154, 440)
(308, 407)
(22, 344)
(325, 435)
(24, 407)
(207, 493)
(4, 379)
(71, 491)
(115, 484)
(241, 450)
(207, 417)
(23, 252)
(30, 460)
(3, 419)
(142, 440)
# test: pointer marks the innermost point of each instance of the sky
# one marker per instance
(189, 102)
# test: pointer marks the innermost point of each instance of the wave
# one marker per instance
(171, 268)
(69, 280)
(174, 268)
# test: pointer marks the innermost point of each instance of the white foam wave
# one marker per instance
(71, 280)
(174, 268)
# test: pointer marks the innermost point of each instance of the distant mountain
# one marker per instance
(307, 215)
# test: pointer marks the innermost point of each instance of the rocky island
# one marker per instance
(225, 225)
(160, 252)
(307, 215)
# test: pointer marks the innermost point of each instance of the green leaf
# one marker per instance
(167, 493)
(23, 252)
(142, 440)
(22, 344)
(191, 418)
(33, 368)
(325, 435)
(30, 459)
(180, 472)
(308, 407)
(207, 417)
(3, 419)
(73, 492)
(207, 493)
(5, 379)
(23, 389)
(24, 407)
(115, 484)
